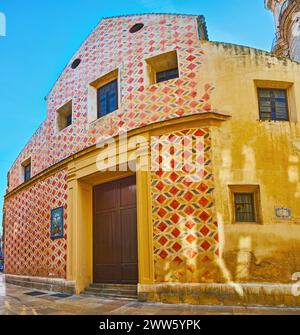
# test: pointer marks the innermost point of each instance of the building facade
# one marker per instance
(166, 161)
(287, 23)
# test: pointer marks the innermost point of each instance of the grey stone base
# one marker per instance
(244, 294)
(42, 283)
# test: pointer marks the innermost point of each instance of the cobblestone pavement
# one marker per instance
(14, 300)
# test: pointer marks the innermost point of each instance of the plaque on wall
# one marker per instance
(283, 213)
(57, 223)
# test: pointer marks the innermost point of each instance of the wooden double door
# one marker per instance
(115, 232)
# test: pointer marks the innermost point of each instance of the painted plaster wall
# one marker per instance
(29, 249)
(185, 229)
(247, 151)
(111, 46)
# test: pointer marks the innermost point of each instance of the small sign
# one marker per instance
(57, 223)
(283, 213)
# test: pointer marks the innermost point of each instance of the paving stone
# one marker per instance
(14, 301)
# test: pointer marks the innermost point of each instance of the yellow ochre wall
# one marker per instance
(247, 151)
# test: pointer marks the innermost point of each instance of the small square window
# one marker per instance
(244, 207)
(107, 98)
(64, 116)
(103, 95)
(162, 67)
(245, 204)
(273, 104)
(26, 170)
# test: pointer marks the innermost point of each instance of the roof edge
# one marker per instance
(144, 14)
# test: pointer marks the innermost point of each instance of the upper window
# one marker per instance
(107, 98)
(167, 75)
(64, 116)
(273, 104)
(26, 170)
(244, 207)
(75, 63)
(162, 67)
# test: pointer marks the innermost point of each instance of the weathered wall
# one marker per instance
(247, 151)
(29, 249)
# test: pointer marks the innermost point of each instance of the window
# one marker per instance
(26, 170)
(64, 116)
(137, 27)
(273, 104)
(244, 207)
(166, 75)
(8, 178)
(107, 98)
(103, 95)
(162, 67)
(75, 63)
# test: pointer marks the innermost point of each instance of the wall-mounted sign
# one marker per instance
(283, 213)
(57, 223)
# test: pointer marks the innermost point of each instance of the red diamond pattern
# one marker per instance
(174, 204)
(163, 240)
(189, 231)
(176, 246)
(188, 196)
(175, 218)
(176, 232)
(204, 216)
(204, 231)
(163, 254)
(205, 245)
(28, 247)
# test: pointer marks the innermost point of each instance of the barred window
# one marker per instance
(273, 104)
(244, 207)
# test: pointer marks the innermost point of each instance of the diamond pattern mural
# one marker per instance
(111, 46)
(185, 228)
(28, 247)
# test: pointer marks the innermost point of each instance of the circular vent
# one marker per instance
(137, 27)
(75, 63)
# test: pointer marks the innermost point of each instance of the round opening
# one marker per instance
(75, 63)
(136, 28)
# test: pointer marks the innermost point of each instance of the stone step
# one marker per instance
(111, 291)
(112, 286)
(110, 296)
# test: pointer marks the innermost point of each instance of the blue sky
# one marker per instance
(43, 35)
